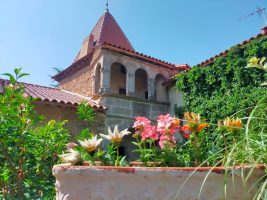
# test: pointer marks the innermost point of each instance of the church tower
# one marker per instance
(109, 70)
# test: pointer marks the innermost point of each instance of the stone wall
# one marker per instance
(63, 112)
(175, 97)
(122, 110)
(132, 183)
(80, 82)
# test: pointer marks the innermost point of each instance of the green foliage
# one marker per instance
(225, 87)
(84, 134)
(86, 112)
(27, 149)
(228, 88)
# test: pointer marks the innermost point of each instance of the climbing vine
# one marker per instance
(225, 87)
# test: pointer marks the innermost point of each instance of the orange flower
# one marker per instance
(187, 116)
(194, 122)
(201, 126)
(192, 117)
(232, 124)
(175, 123)
(187, 128)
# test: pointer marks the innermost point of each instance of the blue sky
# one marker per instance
(41, 34)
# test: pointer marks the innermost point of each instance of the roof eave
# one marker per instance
(76, 66)
(224, 53)
(137, 55)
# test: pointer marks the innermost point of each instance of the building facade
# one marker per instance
(110, 71)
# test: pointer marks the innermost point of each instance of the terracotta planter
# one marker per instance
(147, 183)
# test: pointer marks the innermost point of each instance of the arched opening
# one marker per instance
(118, 79)
(141, 89)
(97, 79)
(161, 93)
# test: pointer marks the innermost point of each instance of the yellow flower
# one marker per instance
(91, 145)
(259, 63)
(232, 124)
(116, 136)
(254, 60)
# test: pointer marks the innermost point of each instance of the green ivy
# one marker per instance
(225, 87)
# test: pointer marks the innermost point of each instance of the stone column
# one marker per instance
(130, 86)
(151, 88)
(94, 92)
(105, 76)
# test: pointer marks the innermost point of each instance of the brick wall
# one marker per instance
(80, 82)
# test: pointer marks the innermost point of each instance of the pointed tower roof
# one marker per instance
(107, 34)
(107, 30)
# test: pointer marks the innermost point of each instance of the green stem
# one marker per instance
(196, 148)
(155, 153)
(117, 157)
(225, 144)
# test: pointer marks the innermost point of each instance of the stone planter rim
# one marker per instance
(132, 169)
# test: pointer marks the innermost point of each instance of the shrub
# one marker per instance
(28, 146)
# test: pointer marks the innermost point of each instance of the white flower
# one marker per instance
(116, 136)
(91, 144)
(72, 157)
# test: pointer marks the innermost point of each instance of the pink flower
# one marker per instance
(71, 145)
(164, 121)
(150, 132)
(141, 122)
(186, 135)
(22, 106)
(172, 131)
(167, 124)
(167, 141)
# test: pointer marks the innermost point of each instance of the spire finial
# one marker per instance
(107, 6)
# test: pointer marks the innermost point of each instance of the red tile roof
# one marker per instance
(106, 34)
(108, 30)
(54, 95)
(179, 68)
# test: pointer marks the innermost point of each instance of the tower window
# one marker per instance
(123, 71)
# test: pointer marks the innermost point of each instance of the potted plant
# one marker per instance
(169, 167)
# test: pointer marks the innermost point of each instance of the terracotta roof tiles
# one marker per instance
(107, 33)
(108, 30)
(54, 95)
